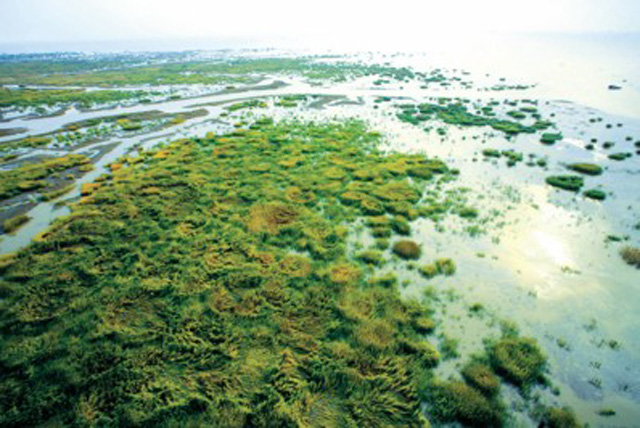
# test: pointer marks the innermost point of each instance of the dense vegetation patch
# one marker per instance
(197, 287)
(179, 69)
(51, 97)
(596, 194)
(566, 182)
(586, 168)
(518, 360)
(550, 137)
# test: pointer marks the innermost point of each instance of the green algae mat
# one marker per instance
(208, 282)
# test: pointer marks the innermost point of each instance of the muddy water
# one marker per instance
(542, 262)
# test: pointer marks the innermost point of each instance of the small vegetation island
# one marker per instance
(251, 239)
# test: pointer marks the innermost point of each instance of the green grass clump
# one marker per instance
(481, 377)
(446, 266)
(468, 212)
(586, 168)
(422, 172)
(129, 125)
(492, 153)
(566, 182)
(518, 360)
(386, 280)
(516, 114)
(550, 138)
(619, 156)
(382, 243)
(429, 271)
(595, 194)
(397, 191)
(400, 226)
(424, 325)
(14, 223)
(631, 255)
(33, 176)
(55, 194)
(557, 417)
(458, 402)
(26, 142)
(371, 257)
(511, 128)
(246, 105)
(440, 267)
(407, 249)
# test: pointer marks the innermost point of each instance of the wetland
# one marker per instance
(228, 239)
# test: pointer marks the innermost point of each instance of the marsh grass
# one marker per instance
(190, 288)
(208, 282)
(34, 176)
(14, 223)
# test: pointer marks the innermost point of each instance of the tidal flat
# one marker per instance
(313, 241)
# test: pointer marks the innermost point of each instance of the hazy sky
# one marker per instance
(29, 21)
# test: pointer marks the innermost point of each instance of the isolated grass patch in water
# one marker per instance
(620, 156)
(557, 417)
(246, 104)
(440, 267)
(631, 255)
(586, 168)
(595, 194)
(518, 360)
(407, 249)
(550, 138)
(566, 182)
(455, 401)
(481, 377)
